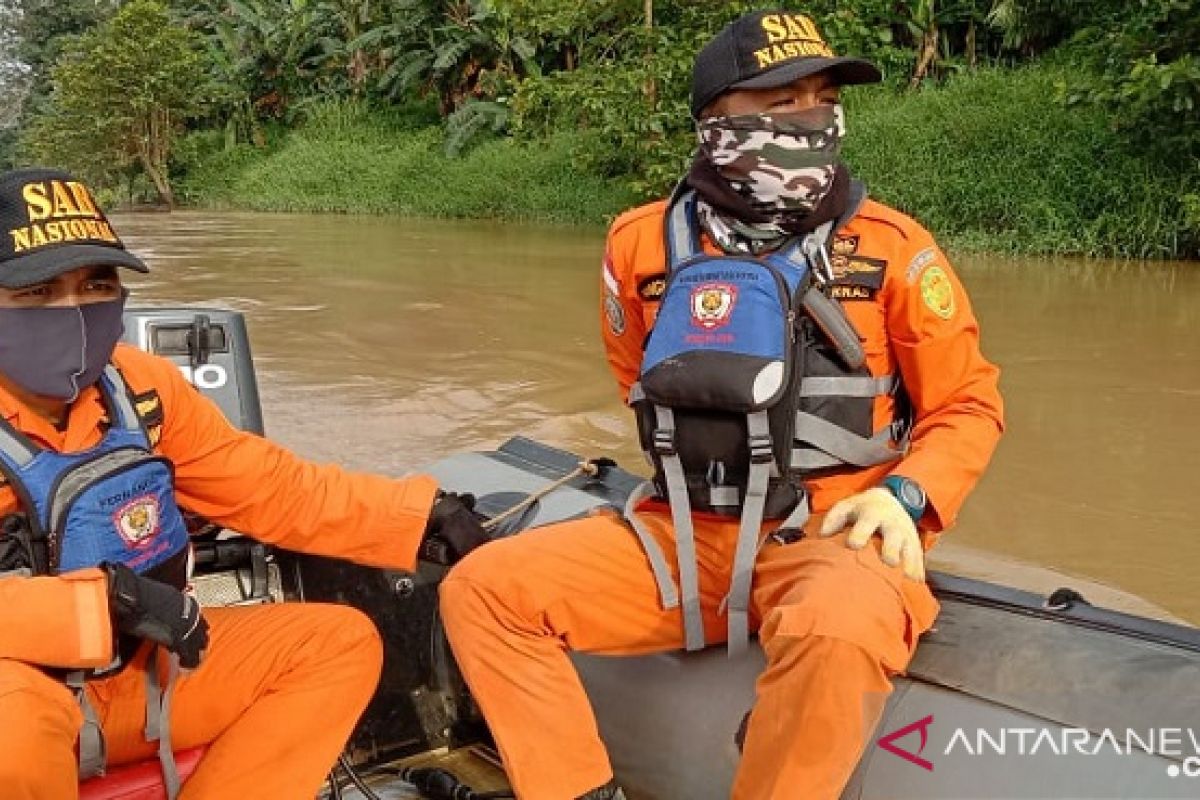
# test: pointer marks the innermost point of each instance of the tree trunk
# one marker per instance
(972, 59)
(927, 55)
(153, 148)
(158, 176)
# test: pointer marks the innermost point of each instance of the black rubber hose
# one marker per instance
(358, 782)
(438, 784)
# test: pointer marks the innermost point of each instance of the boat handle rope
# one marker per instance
(592, 467)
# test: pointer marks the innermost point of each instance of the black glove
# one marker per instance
(150, 609)
(453, 530)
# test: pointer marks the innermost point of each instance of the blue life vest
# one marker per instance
(113, 502)
(753, 380)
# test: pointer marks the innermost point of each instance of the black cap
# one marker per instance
(765, 49)
(50, 224)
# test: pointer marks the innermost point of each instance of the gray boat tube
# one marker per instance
(1008, 696)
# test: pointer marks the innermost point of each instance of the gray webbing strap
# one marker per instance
(93, 754)
(685, 535)
(848, 386)
(816, 253)
(759, 429)
(658, 561)
(840, 446)
(682, 237)
(158, 719)
(17, 450)
(126, 413)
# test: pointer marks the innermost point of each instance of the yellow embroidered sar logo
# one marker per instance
(59, 211)
(789, 36)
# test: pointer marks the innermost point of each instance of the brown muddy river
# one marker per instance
(384, 343)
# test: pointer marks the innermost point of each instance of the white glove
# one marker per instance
(878, 511)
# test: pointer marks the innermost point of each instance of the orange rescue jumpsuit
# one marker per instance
(834, 623)
(280, 687)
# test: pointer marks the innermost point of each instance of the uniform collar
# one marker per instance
(82, 423)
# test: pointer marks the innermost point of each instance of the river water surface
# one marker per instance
(384, 343)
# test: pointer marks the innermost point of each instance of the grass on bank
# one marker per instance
(348, 159)
(988, 161)
(991, 160)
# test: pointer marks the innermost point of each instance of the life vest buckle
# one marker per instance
(664, 442)
(761, 449)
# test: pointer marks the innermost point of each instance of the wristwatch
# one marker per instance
(909, 493)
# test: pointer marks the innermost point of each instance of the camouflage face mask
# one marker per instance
(783, 164)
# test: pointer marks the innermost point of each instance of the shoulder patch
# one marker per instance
(651, 288)
(919, 262)
(611, 285)
(938, 292)
(614, 314)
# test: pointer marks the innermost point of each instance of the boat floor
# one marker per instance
(476, 766)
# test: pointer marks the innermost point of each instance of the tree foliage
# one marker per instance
(1145, 60)
(121, 94)
(15, 76)
(42, 29)
(615, 73)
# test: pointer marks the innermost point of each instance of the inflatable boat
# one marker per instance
(1010, 695)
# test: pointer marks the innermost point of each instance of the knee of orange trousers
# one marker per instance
(330, 669)
(527, 689)
(347, 645)
(342, 646)
(270, 749)
(849, 605)
(39, 723)
(483, 590)
(817, 704)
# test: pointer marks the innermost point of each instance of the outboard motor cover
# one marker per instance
(211, 348)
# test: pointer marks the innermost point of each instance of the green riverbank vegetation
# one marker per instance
(1050, 126)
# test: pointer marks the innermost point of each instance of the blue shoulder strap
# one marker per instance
(116, 396)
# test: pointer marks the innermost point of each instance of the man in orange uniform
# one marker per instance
(889, 417)
(97, 441)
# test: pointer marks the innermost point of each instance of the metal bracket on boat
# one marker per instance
(1064, 599)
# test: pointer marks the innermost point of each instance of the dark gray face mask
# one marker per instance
(59, 351)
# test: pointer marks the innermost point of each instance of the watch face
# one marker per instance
(911, 494)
